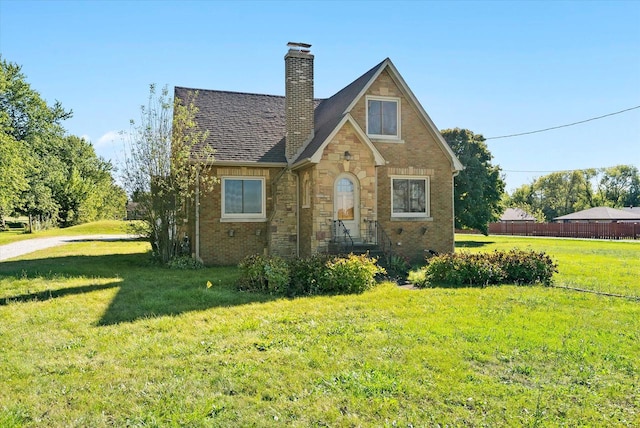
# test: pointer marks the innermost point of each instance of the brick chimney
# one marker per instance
(298, 69)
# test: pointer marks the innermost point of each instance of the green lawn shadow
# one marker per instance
(144, 290)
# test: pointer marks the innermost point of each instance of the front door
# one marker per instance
(346, 203)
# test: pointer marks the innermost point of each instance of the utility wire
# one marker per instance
(562, 126)
(565, 170)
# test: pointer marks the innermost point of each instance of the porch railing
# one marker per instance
(371, 234)
(341, 235)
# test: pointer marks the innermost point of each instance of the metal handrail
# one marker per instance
(383, 239)
(339, 224)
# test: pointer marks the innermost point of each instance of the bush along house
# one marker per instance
(365, 169)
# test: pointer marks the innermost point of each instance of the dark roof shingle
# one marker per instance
(251, 127)
(242, 127)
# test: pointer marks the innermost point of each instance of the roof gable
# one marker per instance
(331, 112)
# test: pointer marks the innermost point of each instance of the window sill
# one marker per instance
(243, 220)
(386, 140)
(398, 218)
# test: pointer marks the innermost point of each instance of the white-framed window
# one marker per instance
(243, 197)
(410, 196)
(383, 117)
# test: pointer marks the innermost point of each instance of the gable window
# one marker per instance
(243, 197)
(383, 117)
(410, 197)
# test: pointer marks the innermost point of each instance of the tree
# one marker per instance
(478, 189)
(565, 192)
(161, 170)
(29, 126)
(619, 186)
(12, 174)
(44, 174)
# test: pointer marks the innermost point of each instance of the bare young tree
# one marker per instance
(161, 168)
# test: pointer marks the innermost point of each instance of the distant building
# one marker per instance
(600, 215)
(134, 211)
(516, 215)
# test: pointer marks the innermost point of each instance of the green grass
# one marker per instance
(605, 266)
(91, 334)
(103, 227)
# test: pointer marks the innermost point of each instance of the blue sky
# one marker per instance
(496, 68)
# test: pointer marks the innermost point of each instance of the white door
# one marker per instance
(346, 205)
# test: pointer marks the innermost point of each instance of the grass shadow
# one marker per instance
(144, 290)
(473, 244)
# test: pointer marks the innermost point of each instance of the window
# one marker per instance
(410, 197)
(243, 197)
(383, 117)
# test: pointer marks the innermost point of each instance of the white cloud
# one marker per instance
(109, 139)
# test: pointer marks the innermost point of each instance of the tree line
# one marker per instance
(480, 197)
(566, 192)
(54, 178)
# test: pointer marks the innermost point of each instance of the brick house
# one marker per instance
(299, 175)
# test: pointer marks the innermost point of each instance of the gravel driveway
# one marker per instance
(19, 248)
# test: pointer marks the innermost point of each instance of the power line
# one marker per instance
(563, 170)
(563, 126)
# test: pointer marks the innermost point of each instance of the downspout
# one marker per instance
(453, 206)
(197, 213)
(297, 215)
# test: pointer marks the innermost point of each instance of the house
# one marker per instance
(299, 175)
(516, 215)
(134, 211)
(599, 215)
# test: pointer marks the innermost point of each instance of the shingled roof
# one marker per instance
(242, 127)
(250, 128)
(600, 213)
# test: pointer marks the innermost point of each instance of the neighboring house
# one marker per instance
(516, 215)
(134, 211)
(599, 215)
(298, 175)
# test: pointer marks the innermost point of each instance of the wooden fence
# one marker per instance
(568, 230)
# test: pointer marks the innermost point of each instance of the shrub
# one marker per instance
(319, 274)
(264, 274)
(184, 263)
(461, 269)
(396, 266)
(352, 274)
(525, 267)
(308, 276)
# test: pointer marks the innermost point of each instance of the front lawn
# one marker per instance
(103, 227)
(93, 335)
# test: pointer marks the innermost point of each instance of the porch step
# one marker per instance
(357, 248)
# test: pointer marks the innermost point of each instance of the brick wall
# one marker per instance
(220, 246)
(298, 100)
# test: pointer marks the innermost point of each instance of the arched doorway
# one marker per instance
(346, 203)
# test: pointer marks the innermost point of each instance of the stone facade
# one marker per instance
(418, 154)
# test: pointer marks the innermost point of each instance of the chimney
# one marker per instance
(298, 70)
